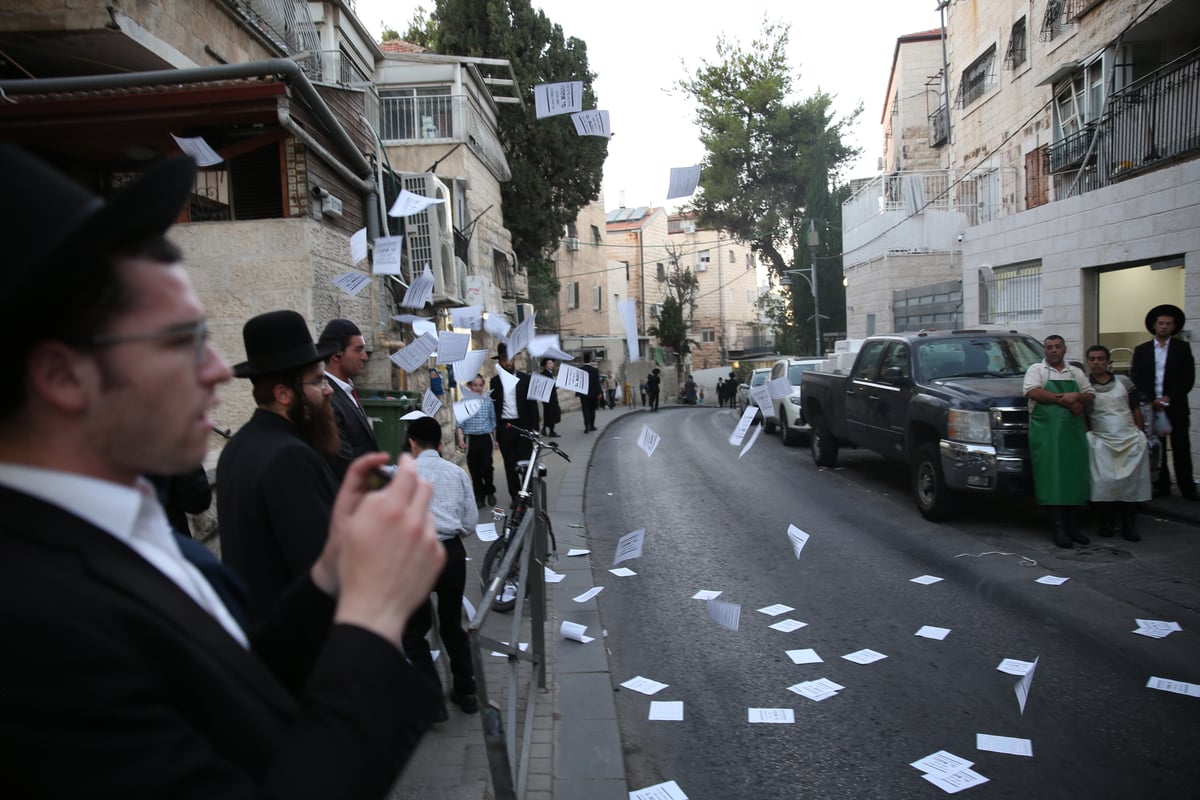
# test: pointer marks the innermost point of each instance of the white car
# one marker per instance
(757, 378)
(789, 414)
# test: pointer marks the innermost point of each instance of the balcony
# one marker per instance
(939, 126)
(440, 119)
(1069, 152)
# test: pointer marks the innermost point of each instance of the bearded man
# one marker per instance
(275, 489)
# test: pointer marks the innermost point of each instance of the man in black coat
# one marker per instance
(589, 399)
(125, 654)
(513, 407)
(342, 367)
(275, 488)
(1164, 369)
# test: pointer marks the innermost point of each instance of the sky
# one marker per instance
(640, 49)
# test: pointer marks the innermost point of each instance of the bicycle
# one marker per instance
(504, 596)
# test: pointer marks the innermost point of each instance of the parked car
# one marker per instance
(789, 411)
(757, 378)
(946, 403)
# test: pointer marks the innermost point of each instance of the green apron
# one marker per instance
(1058, 444)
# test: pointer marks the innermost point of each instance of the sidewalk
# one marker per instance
(576, 752)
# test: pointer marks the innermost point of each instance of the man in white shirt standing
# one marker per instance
(341, 369)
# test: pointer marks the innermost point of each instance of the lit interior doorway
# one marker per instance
(1125, 296)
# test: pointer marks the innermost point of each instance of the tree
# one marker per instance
(555, 172)
(772, 164)
(672, 330)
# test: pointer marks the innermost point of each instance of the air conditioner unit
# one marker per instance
(573, 243)
(689, 227)
(655, 310)
(524, 312)
(429, 238)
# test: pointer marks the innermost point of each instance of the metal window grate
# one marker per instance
(1011, 294)
(977, 78)
(1055, 20)
(1018, 47)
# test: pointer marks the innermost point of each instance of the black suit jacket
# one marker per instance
(1179, 376)
(115, 684)
(527, 410)
(593, 382)
(354, 430)
(274, 497)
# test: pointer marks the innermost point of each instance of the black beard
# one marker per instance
(316, 424)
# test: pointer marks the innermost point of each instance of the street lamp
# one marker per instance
(810, 275)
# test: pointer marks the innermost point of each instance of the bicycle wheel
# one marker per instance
(506, 597)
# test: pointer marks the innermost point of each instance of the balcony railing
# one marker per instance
(1069, 152)
(939, 126)
(420, 118)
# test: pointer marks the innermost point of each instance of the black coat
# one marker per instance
(274, 497)
(551, 413)
(527, 410)
(354, 430)
(118, 685)
(1179, 376)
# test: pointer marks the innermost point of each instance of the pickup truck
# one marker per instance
(946, 403)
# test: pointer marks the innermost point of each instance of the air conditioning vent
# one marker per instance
(573, 243)
(656, 310)
(689, 227)
(429, 238)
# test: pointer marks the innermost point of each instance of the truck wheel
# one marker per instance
(934, 499)
(786, 435)
(768, 424)
(824, 447)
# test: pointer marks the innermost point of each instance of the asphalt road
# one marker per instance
(714, 522)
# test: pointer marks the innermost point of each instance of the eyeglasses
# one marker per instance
(320, 384)
(193, 336)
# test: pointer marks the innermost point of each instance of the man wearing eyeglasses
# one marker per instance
(125, 648)
(275, 488)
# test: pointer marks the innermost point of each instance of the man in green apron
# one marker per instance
(1059, 393)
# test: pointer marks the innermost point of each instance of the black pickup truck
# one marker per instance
(947, 403)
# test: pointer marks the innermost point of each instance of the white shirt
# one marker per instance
(453, 502)
(348, 388)
(1040, 373)
(133, 516)
(1160, 365)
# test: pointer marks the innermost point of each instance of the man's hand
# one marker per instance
(383, 555)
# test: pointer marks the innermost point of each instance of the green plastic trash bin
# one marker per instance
(385, 414)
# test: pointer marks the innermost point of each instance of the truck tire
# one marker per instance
(786, 435)
(768, 424)
(824, 447)
(934, 499)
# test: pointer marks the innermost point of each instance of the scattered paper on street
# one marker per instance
(575, 632)
(954, 782)
(805, 655)
(798, 539)
(630, 546)
(864, 656)
(1052, 580)
(577, 551)
(552, 576)
(666, 710)
(1022, 686)
(648, 440)
(623, 572)
(789, 625)
(933, 632)
(1156, 628)
(1178, 687)
(589, 594)
(705, 594)
(644, 685)
(659, 791)
(941, 763)
(771, 715)
(486, 531)
(775, 610)
(1003, 744)
(725, 614)
(523, 646)
(1015, 667)
(925, 579)
(818, 690)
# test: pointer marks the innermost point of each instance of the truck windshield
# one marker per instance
(977, 357)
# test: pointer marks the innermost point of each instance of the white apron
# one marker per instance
(1117, 452)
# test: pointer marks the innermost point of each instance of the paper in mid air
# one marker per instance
(199, 150)
(762, 398)
(408, 204)
(351, 282)
(465, 409)
(358, 246)
(592, 123)
(588, 595)
(743, 426)
(497, 326)
(420, 291)
(520, 336)
(468, 368)
(648, 440)
(430, 403)
(1015, 667)
(486, 531)
(573, 379)
(411, 358)
(540, 388)
(467, 317)
(630, 546)
(753, 438)
(925, 579)
(798, 538)
(684, 181)
(1022, 686)
(387, 254)
(628, 311)
(550, 99)
(452, 347)
(725, 614)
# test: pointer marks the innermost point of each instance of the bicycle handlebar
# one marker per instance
(536, 439)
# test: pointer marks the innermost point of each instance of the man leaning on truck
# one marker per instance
(1058, 395)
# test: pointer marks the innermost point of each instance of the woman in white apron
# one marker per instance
(1118, 456)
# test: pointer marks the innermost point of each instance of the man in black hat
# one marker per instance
(589, 399)
(275, 488)
(347, 362)
(513, 407)
(132, 658)
(653, 387)
(1163, 368)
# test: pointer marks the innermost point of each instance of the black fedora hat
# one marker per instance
(501, 352)
(279, 341)
(51, 226)
(1165, 310)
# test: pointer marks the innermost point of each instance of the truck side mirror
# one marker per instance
(893, 374)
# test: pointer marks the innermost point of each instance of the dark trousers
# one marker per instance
(479, 464)
(457, 646)
(1181, 452)
(588, 405)
(513, 447)
(653, 400)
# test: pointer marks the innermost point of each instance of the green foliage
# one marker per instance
(778, 309)
(555, 171)
(421, 29)
(543, 291)
(772, 163)
(672, 329)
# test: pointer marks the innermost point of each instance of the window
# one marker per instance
(1037, 182)
(865, 368)
(573, 294)
(423, 112)
(733, 295)
(708, 335)
(1016, 53)
(660, 271)
(1078, 100)
(702, 261)
(596, 237)
(978, 78)
(1055, 20)
(895, 358)
(597, 298)
(572, 231)
(1011, 294)
(732, 257)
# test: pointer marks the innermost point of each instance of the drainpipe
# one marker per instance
(359, 168)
